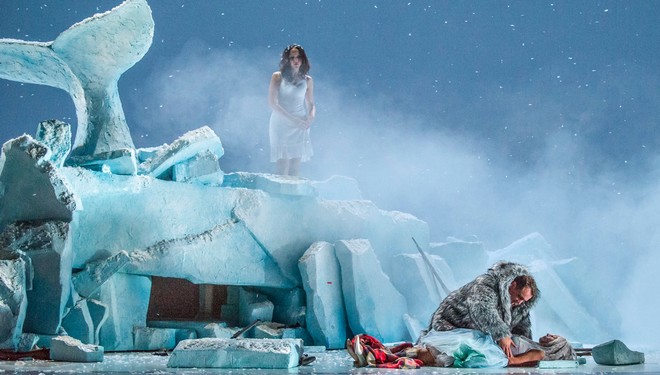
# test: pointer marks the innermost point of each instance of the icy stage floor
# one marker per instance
(329, 362)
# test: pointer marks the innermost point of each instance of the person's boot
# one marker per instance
(306, 360)
(616, 353)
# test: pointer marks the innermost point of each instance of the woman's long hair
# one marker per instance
(285, 65)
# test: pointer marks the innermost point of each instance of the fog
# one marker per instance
(455, 181)
(560, 144)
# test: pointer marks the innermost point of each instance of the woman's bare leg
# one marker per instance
(294, 167)
(282, 167)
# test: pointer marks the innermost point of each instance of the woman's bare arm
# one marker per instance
(309, 101)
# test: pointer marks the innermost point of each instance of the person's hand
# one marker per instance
(506, 343)
(303, 123)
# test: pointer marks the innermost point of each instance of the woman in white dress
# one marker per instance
(291, 96)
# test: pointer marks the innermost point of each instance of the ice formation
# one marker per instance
(83, 236)
(86, 61)
(242, 353)
(66, 348)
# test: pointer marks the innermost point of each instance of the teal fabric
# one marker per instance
(470, 348)
(466, 356)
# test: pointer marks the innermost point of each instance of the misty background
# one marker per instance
(491, 119)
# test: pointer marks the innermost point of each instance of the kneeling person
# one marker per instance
(492, 308)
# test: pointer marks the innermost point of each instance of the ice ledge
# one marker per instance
(271, 183)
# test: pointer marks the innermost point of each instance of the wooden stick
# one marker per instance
(244, 329)
(433, 271)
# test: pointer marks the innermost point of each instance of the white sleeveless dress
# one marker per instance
(288, 141)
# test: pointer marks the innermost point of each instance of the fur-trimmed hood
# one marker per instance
(505, 272)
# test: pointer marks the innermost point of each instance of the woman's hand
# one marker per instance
(303, 123)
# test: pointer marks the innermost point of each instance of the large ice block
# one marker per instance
(422, 291)
(201, 169)
(48, 245)
(13, 300)
(95, 273)
(121, 161)
(229, 309)
(148, 338)
(415, 326)
(288, 304)
(237, 353)
(84, 318)
(199, 329)
(466, 258)
(297, 333)
(27, 342)
(321, 278)
(247, 229)
(186, 147)
(182, 331)
(225, 254)
(78, 322)
(127, 297)
(373, 305)
(253, 306)
(276, 223)
(31, 188)
(69, 349)
(133, 213)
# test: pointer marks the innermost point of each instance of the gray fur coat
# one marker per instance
(484, 304)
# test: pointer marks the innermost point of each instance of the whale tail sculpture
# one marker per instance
(87, 60)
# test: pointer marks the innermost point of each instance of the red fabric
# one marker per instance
(8, 355)
(378, 355)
